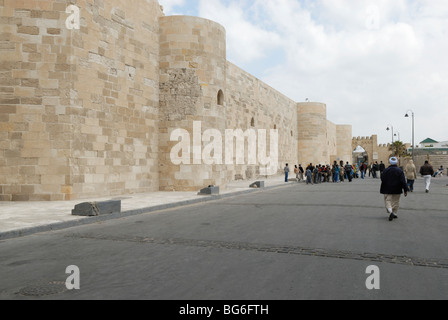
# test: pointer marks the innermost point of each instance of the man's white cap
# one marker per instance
(393, 161)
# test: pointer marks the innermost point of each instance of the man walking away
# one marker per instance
(341, 173)
(374, 170)
(315, 174)
(349, 171)
(319, 174)
(308, 176)
(336, 174)
(393, 182)
(286, 172)
(427, 172)
(411, 174)
(382, 167)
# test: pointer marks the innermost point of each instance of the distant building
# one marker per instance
(430, 143)
(433, 151)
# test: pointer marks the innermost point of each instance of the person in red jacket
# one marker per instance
(393, 183)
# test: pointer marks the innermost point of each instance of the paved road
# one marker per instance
(290, 243)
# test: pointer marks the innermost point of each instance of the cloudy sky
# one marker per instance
(369, 61)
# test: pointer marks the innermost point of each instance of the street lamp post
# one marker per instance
(413, 132)
(390, 127)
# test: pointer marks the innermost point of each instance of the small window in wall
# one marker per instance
(220, 98)
(252, 122)
(275, 127)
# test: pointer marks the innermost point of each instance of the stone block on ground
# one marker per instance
(257, 184)
(210, 190)
(91, 209)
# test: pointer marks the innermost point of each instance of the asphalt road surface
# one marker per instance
(295, 242)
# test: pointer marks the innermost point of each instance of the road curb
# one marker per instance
(19, 233)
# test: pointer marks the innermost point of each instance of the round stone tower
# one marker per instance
(344, 142)
(192, 103)
(312, 133)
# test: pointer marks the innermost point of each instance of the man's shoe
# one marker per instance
(427, 191)
(393, 216)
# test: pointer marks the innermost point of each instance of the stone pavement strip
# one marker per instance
(18, 219)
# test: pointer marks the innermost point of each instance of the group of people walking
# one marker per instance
(323, 173)
(426, 171)
(395, 182)
(373, 169)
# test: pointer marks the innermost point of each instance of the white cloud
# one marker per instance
(245, 41)
(370, 61)
(368, 77)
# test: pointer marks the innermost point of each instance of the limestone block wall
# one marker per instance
(115, 98)
(78, 108)
(35, 86)
(90, 112)
(384, 154)
(320, 141)
(251, 104)
(332, 142)
(344, 143)
(192, 76)
(436, 160)
(312, 133)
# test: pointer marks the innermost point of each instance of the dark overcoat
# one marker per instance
(393, 181)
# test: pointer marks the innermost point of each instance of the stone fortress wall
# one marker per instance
(192, 72)
(252, 104)
(35, 87)
(79, 108)
(321, 141)
(90, 112)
